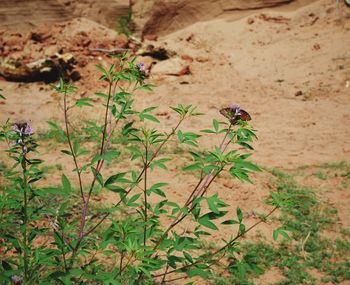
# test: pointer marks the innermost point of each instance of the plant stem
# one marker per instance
(145, 194)
(138, 179)
(98, 168)
(25, 214)
(121, 262)
(71, 145)
(179, 219)
(230, 243)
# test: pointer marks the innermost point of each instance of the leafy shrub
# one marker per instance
(56, 235)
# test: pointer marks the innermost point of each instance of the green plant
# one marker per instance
(125, 23)
(64, 238)
(306, 217)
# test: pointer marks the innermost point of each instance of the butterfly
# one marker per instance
(234, 114)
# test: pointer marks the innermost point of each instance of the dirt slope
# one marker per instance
(162, 17)
(23, 15)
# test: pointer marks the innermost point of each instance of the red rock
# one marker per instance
(150, 37)
(250, 21)
(185, 71)
(187, 57)
(316, 47)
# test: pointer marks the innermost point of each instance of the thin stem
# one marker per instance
(166, 270)
(126, 265)
(230, 243)
(180, 219)
(63, 254)
(25, 215)
(98, 168)
(138, 179)
(208, 176)
(71, 145)
(145, 195)
(121, 262)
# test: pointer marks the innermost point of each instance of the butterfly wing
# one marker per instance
(226, 112)
(229, 114)
(244, 116)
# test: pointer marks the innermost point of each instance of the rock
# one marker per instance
(202, 59)
(46, 69)
(150, 37)
(159, 52)
(298, 93)
(168, 67)
(165, 16)
(184, 71)
(316, 47)
(75, 75)
(187, 57)
(250, 21)
(36, 37)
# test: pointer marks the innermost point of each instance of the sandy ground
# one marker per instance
(288, 67)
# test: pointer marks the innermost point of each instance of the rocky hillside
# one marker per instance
(23, 15)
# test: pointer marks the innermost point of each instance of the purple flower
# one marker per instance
(235, 109)
(140, 66)
(16, 279)
(22, 128)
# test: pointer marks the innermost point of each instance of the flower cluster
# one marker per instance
(141, 66)
(235, 109)
(22, 130)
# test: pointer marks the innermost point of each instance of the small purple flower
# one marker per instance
(140, 66)
(16, 279)
(236, 109)
(22, 128)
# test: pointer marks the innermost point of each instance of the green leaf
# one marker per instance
(66, 152)
(149, 117)
(198, 272)
(247, 165)
(116, 178)
(116, 189)
(207, 131)
(204, 221)
(102, 95)
(188, 256)
(66, 183)
(100, 68)
(111, 154)
(192, 167)
(239, 214)
(230, 222)
(76, 147)
(281, 231)
(216, 125)
(159, 163)
(6, 265)
(46, 191)
(241, 229)
(147, 87)
(133, 199)
(156, 189)
(83, 102)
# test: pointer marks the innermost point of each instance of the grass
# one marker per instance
(306, 215)
(310, 250)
